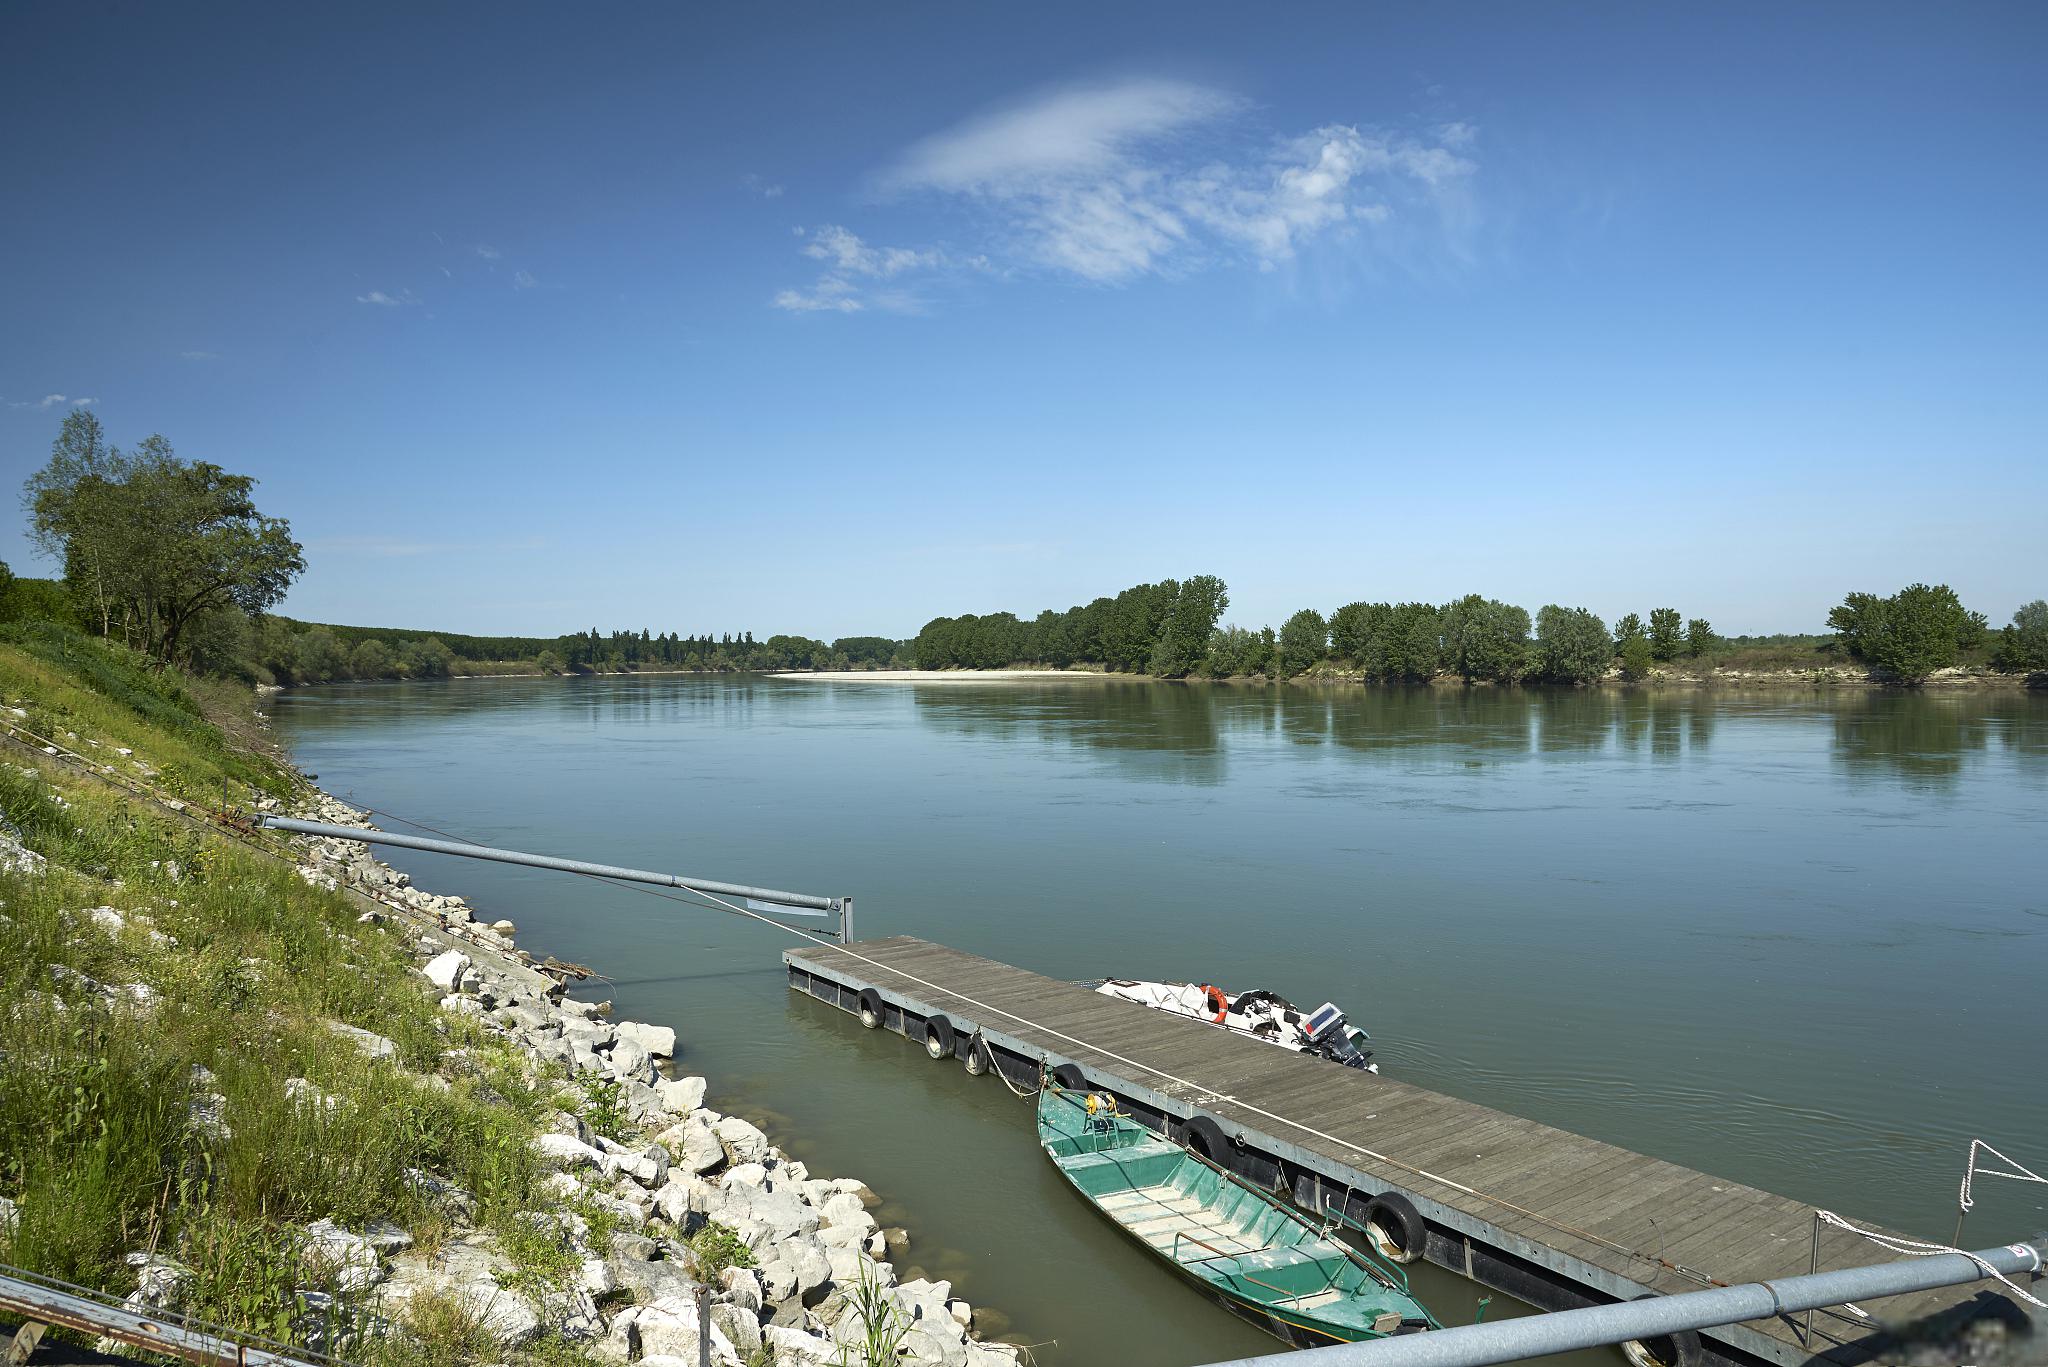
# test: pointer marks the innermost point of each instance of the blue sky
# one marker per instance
(830, 319)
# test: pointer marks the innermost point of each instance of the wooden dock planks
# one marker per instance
(1580, 1200)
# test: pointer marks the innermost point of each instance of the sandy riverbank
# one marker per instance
(946, 676)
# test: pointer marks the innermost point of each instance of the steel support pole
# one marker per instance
(1478, 1345)
(543, 861)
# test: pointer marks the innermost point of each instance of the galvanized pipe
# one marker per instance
(1477, 1345)
(542, 861)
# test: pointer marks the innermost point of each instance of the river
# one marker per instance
(1798, 940)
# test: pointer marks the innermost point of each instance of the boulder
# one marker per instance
(347, 1261)
(445, 970)
(668, 1326)
(573, 1155)
(681, 1095)
(466, 1271)
(658, 1040)
(743, 1142)
(373, 1045)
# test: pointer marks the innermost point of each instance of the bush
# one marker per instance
(1665, 633)
(1909, 635)
(716, 1247)
(1637, 658)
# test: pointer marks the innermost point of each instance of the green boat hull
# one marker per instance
(1262, 1259)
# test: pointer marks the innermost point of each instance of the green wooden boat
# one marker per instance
(1263, 1259)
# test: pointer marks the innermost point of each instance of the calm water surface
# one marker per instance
(1798, 941)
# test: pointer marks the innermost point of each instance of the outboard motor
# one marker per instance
(1332, 1037)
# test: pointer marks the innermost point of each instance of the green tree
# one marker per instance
(1304, 639)
(1627, 629)
(1354, 627)
(1572, 645)
(1916, 631)
(1636, 658)
(1184, 634)
(2023, 646)
(548, 662)
(1484, 638)
(1408, 648)
(1666, 633)
(1855, 620)
(429, 658)
(317, 657)
(371, 659)
(151, 543)
(1699, 637)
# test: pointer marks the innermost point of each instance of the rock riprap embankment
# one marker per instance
(646, 1193)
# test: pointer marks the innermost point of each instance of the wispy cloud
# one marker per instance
(1111, 182)
(199, 355)
(524, 280)
(766, 189)
(851, 269)
(487, 252)
(403, 298)
(53, 401)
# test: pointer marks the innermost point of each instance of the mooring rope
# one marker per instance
(1915, 1248)
(2020, 1172)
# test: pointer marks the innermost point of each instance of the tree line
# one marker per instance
(174, 559)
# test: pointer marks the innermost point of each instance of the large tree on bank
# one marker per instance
(152, 544)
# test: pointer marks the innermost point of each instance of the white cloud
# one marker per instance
(851, 267)
(830, 295)
(487, 252)
(1078, 132)
(389, 301)
(848, 253)
(1115, 181)
(764, 188)
(524, 280)
(53, 401)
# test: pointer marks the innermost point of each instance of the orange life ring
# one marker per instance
(1217, 1002)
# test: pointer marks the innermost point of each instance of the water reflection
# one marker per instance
(1929, 741)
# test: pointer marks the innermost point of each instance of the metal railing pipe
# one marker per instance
(543, 861)
(1564, 1331)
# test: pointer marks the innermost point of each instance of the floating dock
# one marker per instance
(1552, 1218)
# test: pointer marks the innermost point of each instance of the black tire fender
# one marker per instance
(938, 1037)
(1397, 1230)
(1682, 1349)
(980, 1058)
(1204, 1136)
(871, 1009)
(1068, 1076)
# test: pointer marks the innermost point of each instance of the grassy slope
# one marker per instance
(246, 964)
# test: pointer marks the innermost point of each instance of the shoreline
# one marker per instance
(1809, 680)
(677, 1168)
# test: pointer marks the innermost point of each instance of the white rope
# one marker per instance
(2019, 1172)
(1915, 1248)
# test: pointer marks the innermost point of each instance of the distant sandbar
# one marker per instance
(940, 676)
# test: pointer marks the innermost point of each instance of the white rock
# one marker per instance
(629, 1060)
(571, 1154)
(467, 1272)
(331, 1251)
(668, 1326)
(658, 1040)
(374, 1045)
(107, 919)
(744, 1143)
(445, 970)
(681, 1095)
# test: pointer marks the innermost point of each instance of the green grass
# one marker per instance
(245, 966)
(70, 682)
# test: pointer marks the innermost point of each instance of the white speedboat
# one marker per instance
(1263, 1015)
